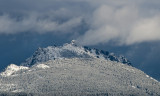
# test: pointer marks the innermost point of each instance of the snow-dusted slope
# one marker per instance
(71, 50)
(12, 69)
(79, 76)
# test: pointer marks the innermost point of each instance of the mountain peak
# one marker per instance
(73, 42)
(71, 50)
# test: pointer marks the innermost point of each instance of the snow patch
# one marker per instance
(133, 87)
(43, 66)
(12, 69)
(79, 50)
(17, 90)
(147, 76)
(153, 79)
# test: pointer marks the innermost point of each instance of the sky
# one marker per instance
(125, 27)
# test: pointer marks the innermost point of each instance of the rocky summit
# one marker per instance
(71, 50)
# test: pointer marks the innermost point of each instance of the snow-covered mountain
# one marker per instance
(77, 77)
(72, 70)
(71, 50)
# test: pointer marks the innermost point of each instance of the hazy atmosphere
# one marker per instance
(125, 27)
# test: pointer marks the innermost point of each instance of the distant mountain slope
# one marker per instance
(77, 77)
(71, 50)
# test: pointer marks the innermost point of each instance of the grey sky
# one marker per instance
(126, 22)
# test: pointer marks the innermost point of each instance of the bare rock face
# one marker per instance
(78, 77)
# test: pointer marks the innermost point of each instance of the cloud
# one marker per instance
(145, 30)
(39, 16)
(122, 22)
(109, 23)
(34, 23)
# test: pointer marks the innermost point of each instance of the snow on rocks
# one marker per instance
(80, 75)
(147, 76)
(42, 66)
(133, 87)
(71, 50)
(151, 78)
(12, 69)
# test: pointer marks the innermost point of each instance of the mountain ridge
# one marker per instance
(73, 70)
(71, 50)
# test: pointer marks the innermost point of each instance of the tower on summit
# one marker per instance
(73, 42)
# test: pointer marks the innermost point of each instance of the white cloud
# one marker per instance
(145, 30)
(109, 23)
(126, 24)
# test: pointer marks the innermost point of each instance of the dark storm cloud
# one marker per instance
(40, 16)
